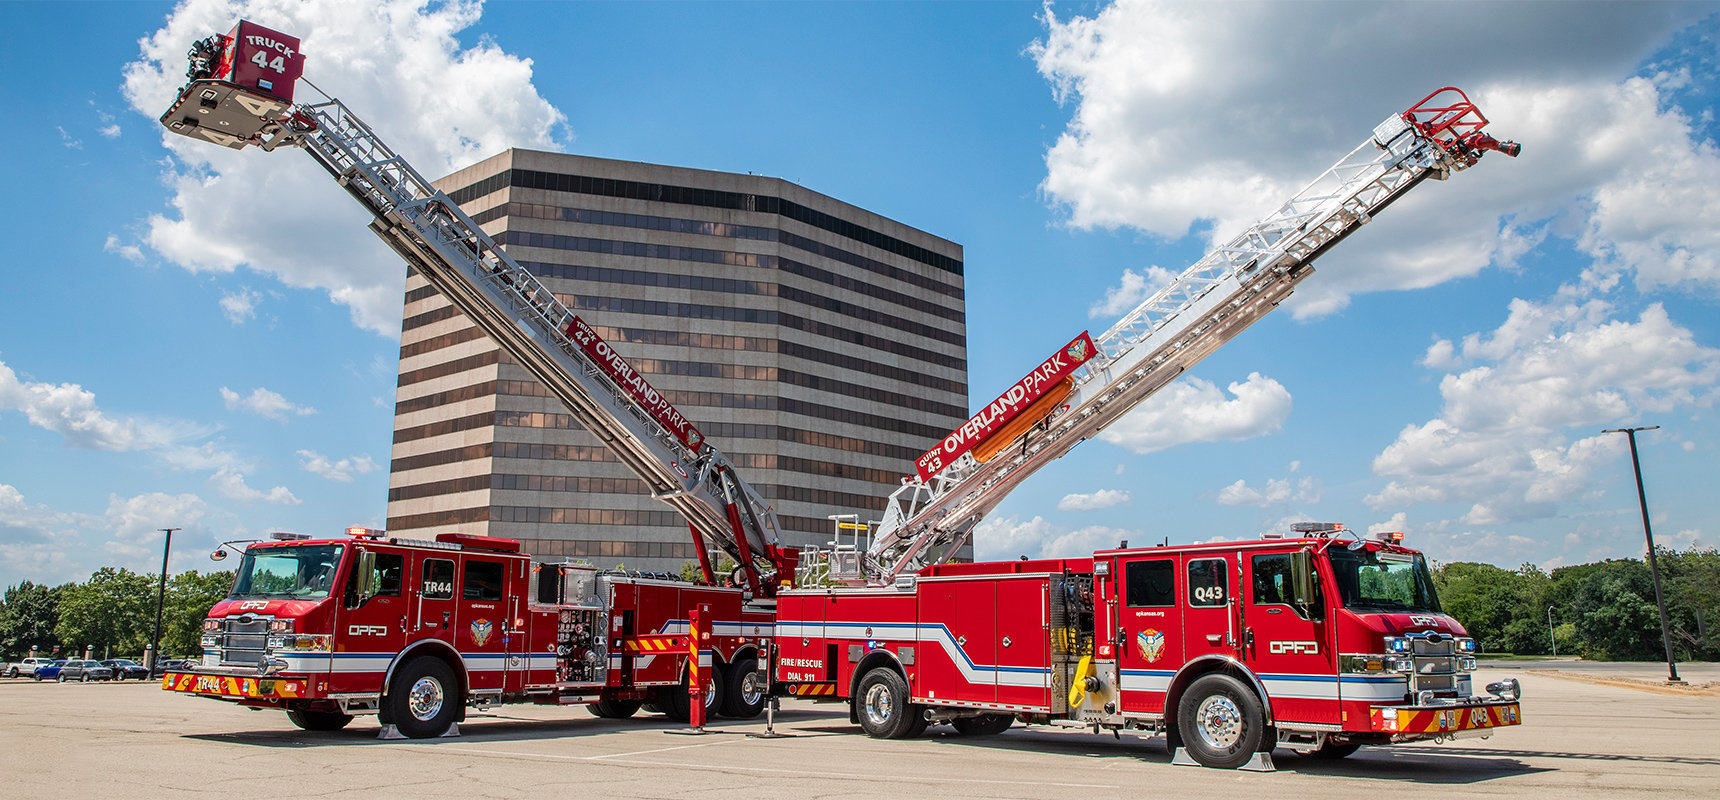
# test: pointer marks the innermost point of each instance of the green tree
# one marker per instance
(113, 611)
(1498, 607)
(1611, 604)
(189, 597)
(1691, 581)
(27, 617)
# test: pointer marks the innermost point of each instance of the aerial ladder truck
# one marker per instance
(1322, 640)
(417, 630)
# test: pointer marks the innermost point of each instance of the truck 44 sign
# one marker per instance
(999, 412)
(629, 379)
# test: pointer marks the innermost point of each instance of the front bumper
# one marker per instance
(1417, 722)
(235, 687)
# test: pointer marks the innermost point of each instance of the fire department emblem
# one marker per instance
(481, 630)
(1151, 644)
(1078, 350)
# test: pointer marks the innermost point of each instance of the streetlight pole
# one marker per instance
(160, 600)
(1551, 636)
(1653, 567)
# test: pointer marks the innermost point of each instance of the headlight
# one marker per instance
(280, 625)
(211, 626)
(1397, 644)
(1466, 663)
(1400, 664)
(210, 642)
(1467, 645)
(301, 642)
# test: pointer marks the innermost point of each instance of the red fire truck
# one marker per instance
(1228, 649)
(1319, 642)
(418, 630)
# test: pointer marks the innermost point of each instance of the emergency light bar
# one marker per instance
(1387, 537)
(283, 536)
(361, 532)
(1317, 528)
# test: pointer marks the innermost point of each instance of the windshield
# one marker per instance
(1381, 580)
(301, 571)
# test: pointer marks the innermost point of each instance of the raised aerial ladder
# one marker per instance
(934, 513)
(241, 94)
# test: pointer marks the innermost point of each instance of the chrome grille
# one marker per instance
(243, 639)
(1435, 664)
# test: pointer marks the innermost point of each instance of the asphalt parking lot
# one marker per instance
(1579, 739)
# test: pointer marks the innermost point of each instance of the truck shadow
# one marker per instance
(490, 726)
(1427, 765)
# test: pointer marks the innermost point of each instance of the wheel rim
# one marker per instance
(880, 704)
(425, 699)
(752, 691)
(1218, 722)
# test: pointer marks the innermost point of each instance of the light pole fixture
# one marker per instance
(160, 600)
(1552, 637)
(1653, 567)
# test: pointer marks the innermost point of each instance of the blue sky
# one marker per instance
(170, 358)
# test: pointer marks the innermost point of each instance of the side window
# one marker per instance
(1150, 584)
(1208, 583)
(548, 583)
(390, 567)
(438, 579)
(483, 580)
(1272, 579)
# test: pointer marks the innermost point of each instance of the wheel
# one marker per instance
(60, 678)
(1330, 750)
(613, 709)
(12, 673)
(318, 720)
(743, 692)
(1221, 722)
(883, 707)
(423, 698)
(84, 677)
(982, 725)
(677, 704)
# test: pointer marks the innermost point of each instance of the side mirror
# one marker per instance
(1302, 578)
(364, 579)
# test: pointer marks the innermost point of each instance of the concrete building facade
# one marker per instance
(819, 345)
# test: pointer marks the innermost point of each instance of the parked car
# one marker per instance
(167, 664)
(86, 670)
(27, 666)
(124, 668)
(50, 670)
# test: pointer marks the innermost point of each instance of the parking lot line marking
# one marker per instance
(871, 778)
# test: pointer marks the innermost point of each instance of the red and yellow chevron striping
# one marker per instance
(1445, 720)
(655, 644)
(232, 686)
(812, 689)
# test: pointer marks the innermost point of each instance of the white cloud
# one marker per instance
(1181, 124)
(1130, 291)
(1194, 410)
(70, 410)
(110, 131)
(35, 541)
(136, 522)
(129, 252)
(70, 142)
(231, 483)
(1503, 442)
(1104, 498)
(400, 67)
(342, 470)
(1009, 538)
(263, 403)
(1277, 491)
(239, 306)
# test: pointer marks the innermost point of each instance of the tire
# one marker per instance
(318, 720)
(12, 673)
(60, 678)
(983, 725)
(677, 703)
(613, 709)
(744, 691)
(1330, 751)
(83, 677)
(423, 698)
(1221, 722)
(881, 703)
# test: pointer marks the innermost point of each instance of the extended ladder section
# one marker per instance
(445, 246)
(931, 516)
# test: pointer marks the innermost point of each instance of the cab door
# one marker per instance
(481, 621)
(1209, 618)
(1289, 646)
(433, 608)
(370, 631)
(1149, 632)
